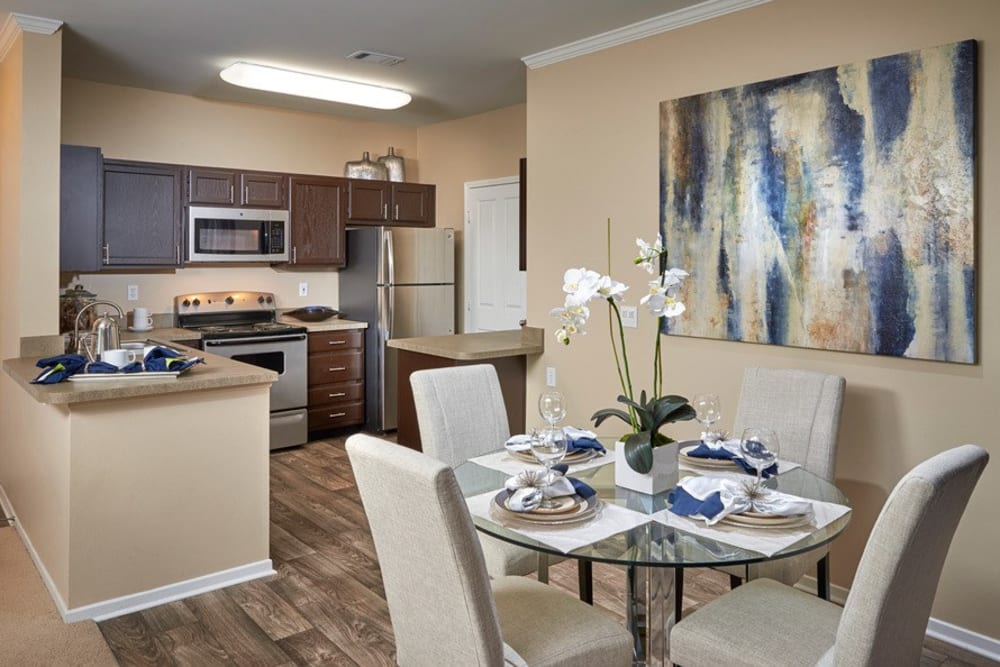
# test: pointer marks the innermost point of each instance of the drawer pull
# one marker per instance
(339, 368)
(336, 342)
(338, 394)
(338, 414)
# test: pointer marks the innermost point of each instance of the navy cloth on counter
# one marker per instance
(162, 359)
(582, 489)
(581, 444)
(100, 367)
(59, 367)
(703, 451)
(684, 504)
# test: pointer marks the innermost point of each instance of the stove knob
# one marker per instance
(269, 300)
(186, 303)
(260, 299)
(229, 300)
(197, 302)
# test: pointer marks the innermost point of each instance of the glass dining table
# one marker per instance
(652, 551)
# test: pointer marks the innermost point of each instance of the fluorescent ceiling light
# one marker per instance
(276, 80)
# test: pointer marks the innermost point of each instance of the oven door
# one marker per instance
(283, 354)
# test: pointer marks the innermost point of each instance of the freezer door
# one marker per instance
(418, 256)
(410, 311)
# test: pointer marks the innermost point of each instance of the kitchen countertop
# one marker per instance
(476, 346)
(332, 324)
(217, 372)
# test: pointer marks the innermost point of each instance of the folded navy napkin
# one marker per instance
(164, 359)
(580, 440)
(58, 368)
(683, 503)
(703, 451)
(582, 489)
(100, 367)
(714, 498)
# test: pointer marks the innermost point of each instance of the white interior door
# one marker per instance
(495, 290)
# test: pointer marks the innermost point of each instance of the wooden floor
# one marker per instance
(326, 606)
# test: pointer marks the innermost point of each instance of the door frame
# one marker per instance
(467, 255)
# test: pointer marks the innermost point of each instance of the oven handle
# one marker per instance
(223, 342)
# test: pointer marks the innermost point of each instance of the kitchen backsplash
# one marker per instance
(158, 289)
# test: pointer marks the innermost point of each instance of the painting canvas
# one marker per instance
(831, 209)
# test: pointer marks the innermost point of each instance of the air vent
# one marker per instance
(376, 58)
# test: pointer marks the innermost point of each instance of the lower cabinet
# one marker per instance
(336, 379)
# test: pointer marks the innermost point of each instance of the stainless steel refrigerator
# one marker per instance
(401, 281)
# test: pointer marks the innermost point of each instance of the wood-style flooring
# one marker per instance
(326, 605)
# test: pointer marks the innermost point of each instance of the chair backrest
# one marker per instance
(886, 613)
(460, 411)
(803, 407)
(439, 594)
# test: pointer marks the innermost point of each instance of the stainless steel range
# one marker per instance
(243, 326)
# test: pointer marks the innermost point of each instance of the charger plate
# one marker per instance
(580, 510)
(759, 520)
(703, 462)
(579, 456)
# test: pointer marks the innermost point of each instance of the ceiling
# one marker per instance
(462, 56)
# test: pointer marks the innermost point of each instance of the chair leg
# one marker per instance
(585, 577)
(543, 567)
(678, 593)
(823, 577)
(734, 581)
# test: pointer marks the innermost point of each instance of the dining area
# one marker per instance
(467, 529)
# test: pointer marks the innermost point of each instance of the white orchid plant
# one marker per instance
(645, 417)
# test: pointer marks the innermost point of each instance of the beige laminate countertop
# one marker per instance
(476, 346)
(332, 324)
(217, 372)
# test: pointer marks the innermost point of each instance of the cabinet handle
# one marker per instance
(232, 194)
(339, 368)
(294, 254)
(385, 211)
(107, 253)
(337, 342)
(397, 212)
(246, 194)
(338, 414)
(340, 394)
(177, 254)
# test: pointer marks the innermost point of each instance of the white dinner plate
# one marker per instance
(582, 510)
(758, 520)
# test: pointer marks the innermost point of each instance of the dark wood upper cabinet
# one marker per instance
(317, 215)
(413, 203)
(368, 201)
(142, 214)
(81, 205)
(221, 187)
(390, 203)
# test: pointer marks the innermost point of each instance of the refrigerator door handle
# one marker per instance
(390, 257)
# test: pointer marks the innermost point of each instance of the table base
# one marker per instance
(650, 613)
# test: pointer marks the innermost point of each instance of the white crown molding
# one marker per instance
(17, 23)
(630, 33)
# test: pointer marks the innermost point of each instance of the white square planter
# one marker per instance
(662, 477)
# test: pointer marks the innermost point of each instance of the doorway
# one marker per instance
(495, 290)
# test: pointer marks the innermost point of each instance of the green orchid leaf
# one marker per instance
(639, 452)
(601, 415)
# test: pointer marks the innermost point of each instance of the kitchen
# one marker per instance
(583, 98)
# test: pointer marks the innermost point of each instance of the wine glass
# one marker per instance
(549, 448)
(552, 407)
(759, 447)
(707, 411)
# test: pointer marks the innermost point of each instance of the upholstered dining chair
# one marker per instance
(803, 408)
(461, 414)
(443, 606)
(883, 621)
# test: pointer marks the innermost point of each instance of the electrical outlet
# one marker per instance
(550, 376)
(133, 292)
(303, 289)
(630, 317)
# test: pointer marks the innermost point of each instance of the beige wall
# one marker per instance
(593, 147)
(138, 124)
(477, 148)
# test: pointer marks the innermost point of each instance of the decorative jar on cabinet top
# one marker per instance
(366, 169)
(394, 165)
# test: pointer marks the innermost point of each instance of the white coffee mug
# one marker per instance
(141, 319)
(120, 357)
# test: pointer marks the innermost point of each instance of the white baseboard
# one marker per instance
(955, 635)
(100, 611)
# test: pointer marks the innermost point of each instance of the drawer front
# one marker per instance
(335, 367)
(332, 341)
(344, 414)
(336, 393)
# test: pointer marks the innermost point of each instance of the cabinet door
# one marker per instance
(142, 214)
(368, 201)
(264, 190)
(318, 208)
(413, 204)
(80, 208)
(211, 186)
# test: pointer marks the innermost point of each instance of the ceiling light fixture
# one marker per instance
(289, 82)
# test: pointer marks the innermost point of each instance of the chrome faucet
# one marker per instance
(104, 333)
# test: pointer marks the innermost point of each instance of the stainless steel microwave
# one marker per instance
(237, 235)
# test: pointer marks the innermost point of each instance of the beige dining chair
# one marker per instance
(461, 414)
(803, 408)
(443, 606)
(883, 621)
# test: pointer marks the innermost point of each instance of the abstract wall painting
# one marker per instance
(829, 210)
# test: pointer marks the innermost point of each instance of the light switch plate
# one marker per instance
(630, 317)
(133, 293)
(550, 376)
(303, 289)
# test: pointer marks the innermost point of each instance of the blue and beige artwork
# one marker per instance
(829, 210)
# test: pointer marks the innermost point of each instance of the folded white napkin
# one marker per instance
(527, 489)
(714, 498)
